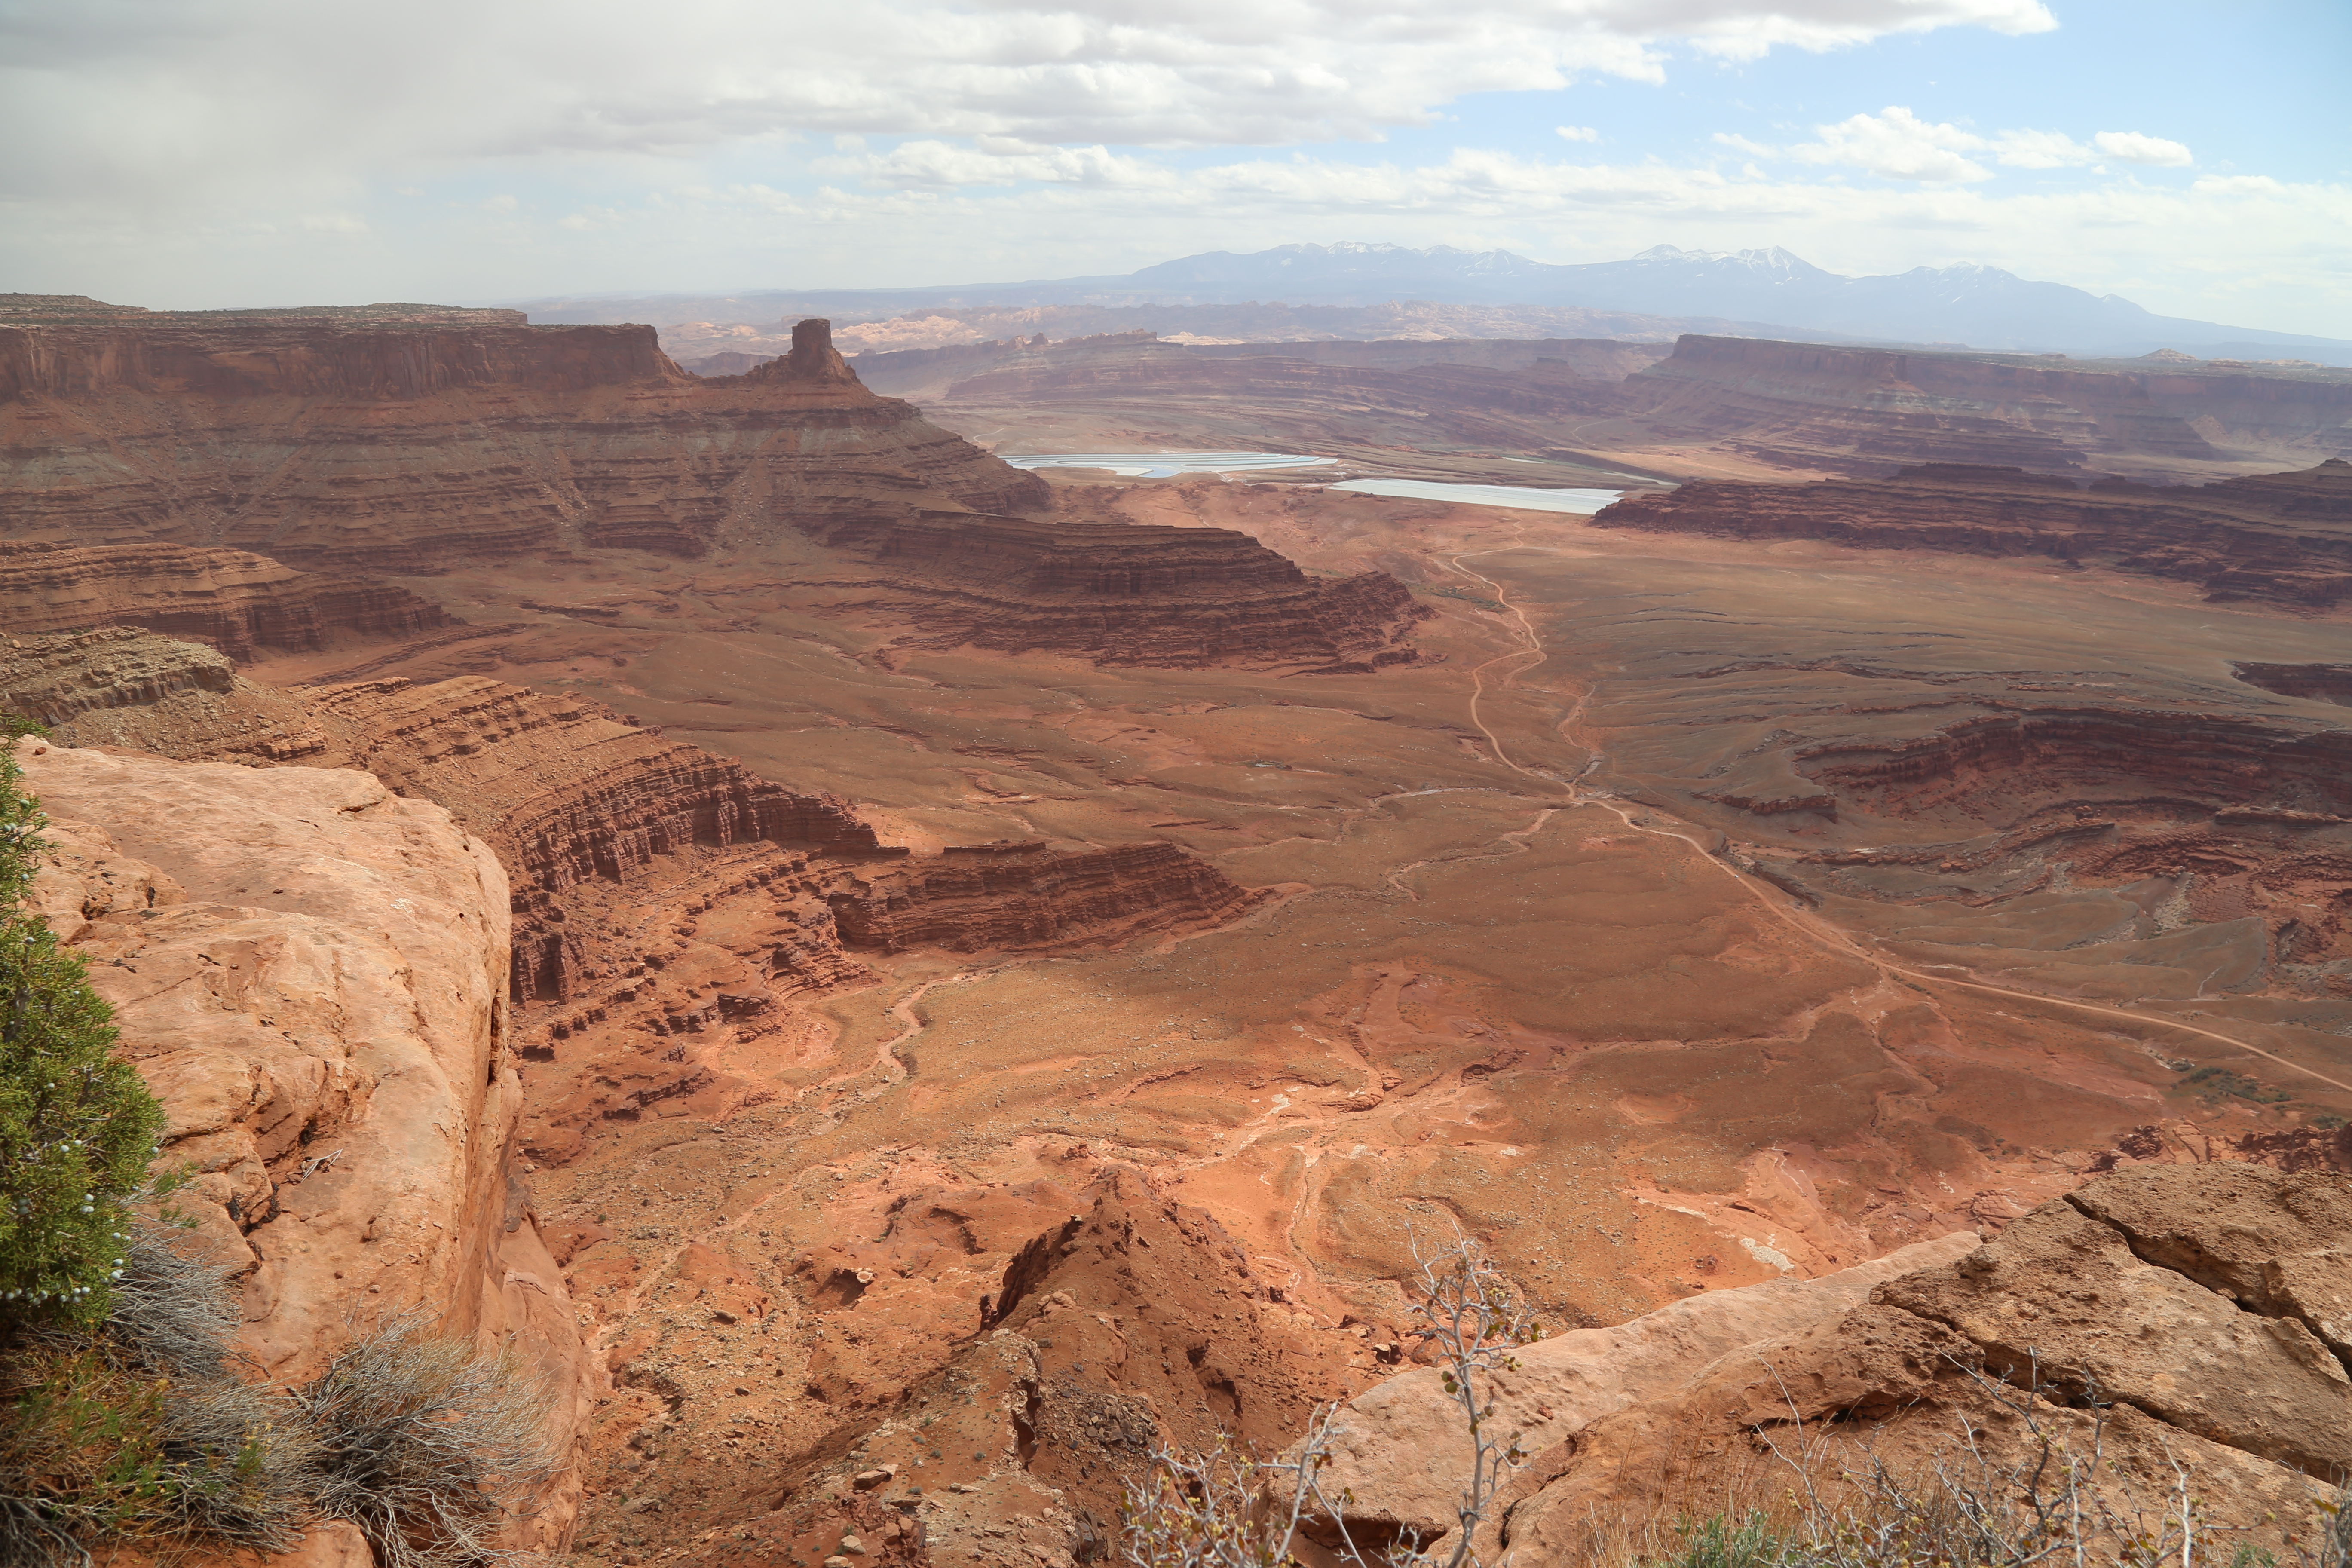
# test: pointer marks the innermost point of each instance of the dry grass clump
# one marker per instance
(141, 1432)
(138, 1432)
(426, 1445)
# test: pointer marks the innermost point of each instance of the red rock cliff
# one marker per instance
(399, 438)
(567, 792)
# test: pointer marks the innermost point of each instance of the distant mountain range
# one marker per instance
(1770, 293)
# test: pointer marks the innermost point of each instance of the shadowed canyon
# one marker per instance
(1002, 970)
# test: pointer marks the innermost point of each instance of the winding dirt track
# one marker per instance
(1819, 932)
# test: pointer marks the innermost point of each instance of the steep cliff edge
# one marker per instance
(310, 973)
(1028, 897)
(566, 793)
(409, 438)
(2284, 538)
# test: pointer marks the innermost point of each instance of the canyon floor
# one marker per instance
(1516, 964)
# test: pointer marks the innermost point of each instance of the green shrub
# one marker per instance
(78, 1127)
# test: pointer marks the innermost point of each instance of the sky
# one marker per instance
(2193, 157)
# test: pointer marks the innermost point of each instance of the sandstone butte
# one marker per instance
(818, 1277)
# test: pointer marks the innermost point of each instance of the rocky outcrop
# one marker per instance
(410, 439)
(310, 973)
(118, 685)
(1025, 897)
(1137, 1321)
(1397, 1448)
(2280, 537)
(229, 599)
(1173, 598)
(567, 792)
(2185, 1323)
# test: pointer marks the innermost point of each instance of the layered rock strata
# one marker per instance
(2186, 1323)
(1174, 597)
(228, 599)
(2280, 538)
(395, 438)
(311, 973)
(118, 685)
(1027, 897)
(567, 792)
(1848, 407)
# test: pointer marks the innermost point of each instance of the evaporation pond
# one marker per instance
(1165, 465)
(1584, 503)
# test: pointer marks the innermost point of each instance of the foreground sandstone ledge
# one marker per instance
(311, 973)
(2191, 1324)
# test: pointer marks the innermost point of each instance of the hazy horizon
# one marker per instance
(253, 153)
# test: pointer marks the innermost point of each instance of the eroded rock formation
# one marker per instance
(310, 973)
(1028, 897)
(409, 440)
(1177, 597)
(2280, 537)
(566, 793)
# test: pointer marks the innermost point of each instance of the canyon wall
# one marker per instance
(566, 793)
(233, 600)
(389, 440)
(2280, 538)
(310, 973)
(119, 686)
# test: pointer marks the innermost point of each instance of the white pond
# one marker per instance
(1167, 465)
(1583, 503)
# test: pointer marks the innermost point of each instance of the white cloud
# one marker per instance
(1898, 145)
(1742, 145)
(993, 160)
(157, 101)
(2041, 150)
(1576, 133)
(2133, 148)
